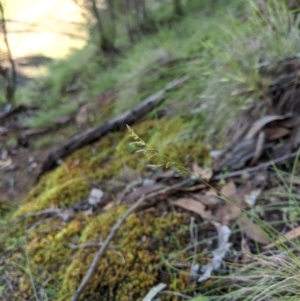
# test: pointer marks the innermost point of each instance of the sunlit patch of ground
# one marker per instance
(51, 28)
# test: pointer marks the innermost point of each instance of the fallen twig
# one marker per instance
(256, 168)
(128, 189)
(65, 214)
(88, 245)
(91, 135)
(115, 229)
(10, 110)
(52, 212)
(103, 248)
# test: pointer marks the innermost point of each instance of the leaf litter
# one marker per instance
(239, 203)
(231, 207)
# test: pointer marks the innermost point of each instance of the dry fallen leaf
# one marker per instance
(108, 206)
(295, 181)
(203, 173)
(228, 190)
(212, 192)
(252, 230)
(207, 200)
(286, 237)
(226, 213)
(290, 122)
(259, 124)
(229, 211)
(5, 163)
(275, 133)
(193, 188)
(194, 206)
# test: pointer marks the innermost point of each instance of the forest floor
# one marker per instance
(213, 166)
(53, 30)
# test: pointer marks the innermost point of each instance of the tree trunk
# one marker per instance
(178, 10)
(126, 10)
(10, 79)
(139, 15)
(112, 15)
(106, 44)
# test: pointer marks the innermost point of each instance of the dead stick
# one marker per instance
(52, 212)
(95, 133)
(115, 229)
(88, 245)
(256, 168)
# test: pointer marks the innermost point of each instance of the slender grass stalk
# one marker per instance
(29, 267)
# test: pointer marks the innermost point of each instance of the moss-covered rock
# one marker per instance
(130, 267)
(105, 159)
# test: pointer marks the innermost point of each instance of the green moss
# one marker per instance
(132, 268)
(61, 194)
(4, 207)
(128, 271)
(49, 254)
(129, 268)
(104, 160)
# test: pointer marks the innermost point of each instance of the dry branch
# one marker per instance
(115, 229)
(51, 212)
(10, 110)
(88, 245)
(93, 134)
(259, 167)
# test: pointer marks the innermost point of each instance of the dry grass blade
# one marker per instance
(203, 173)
